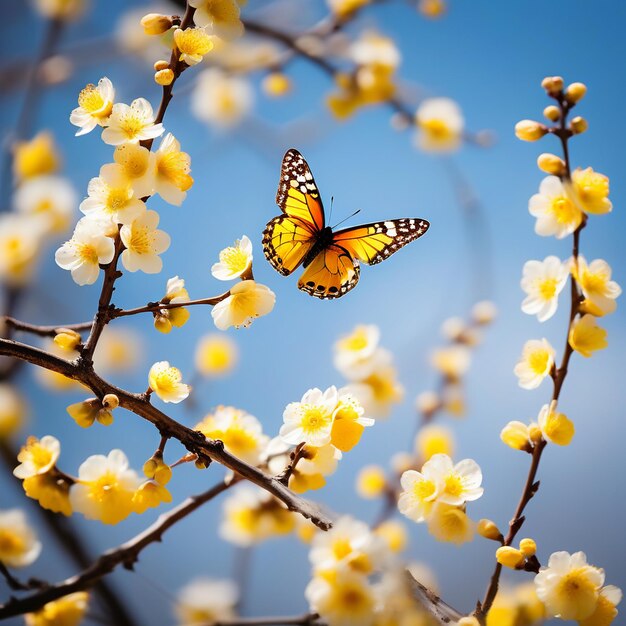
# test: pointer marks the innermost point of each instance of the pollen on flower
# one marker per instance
(165, 381)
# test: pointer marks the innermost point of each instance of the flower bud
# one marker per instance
(575, 92)
(67, 339)
(488, 530)
(578, 125)
(529, 130)
(161, 65)
(510, 557)
(528, 547)
(163, 78)
(484, 312)
(150, 467)
(110, 401)
(552, 113)
(552, 84)
(163, 474)
(516, 435)
(156, 23)
(551, 164)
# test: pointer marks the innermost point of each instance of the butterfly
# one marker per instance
(331, 259)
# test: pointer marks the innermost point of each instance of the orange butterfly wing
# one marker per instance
(332, 273)
(375, 242)
(288, 238)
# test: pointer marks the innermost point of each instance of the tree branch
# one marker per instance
(307, 619)
(194, 441)
(126, 554)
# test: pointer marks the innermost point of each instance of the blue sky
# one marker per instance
(491, 58)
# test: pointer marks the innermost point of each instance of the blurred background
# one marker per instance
(490, 59)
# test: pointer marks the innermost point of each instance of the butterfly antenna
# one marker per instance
(345, 219)
(332, 201)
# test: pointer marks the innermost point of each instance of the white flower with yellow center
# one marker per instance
(451, 361)
(138, 166)
(95, 104)
(221, 100)
(595, 282)
(250, 516)
(460, 483)
(216, 355)
(118, 350)
(38, 456)
(85, 252)
(568, 586)
(172, 171)
(234, 260)
(440, 125)
(111, 197)
(19, 546)
(105, 488)
(204, 601)
(311, 419)
(420, 490)
(449, 523)
(144, 243)
(555, 208)
(70, 609)
(349, 543)
(592, 191)
(353, 353)
(165, 381)
(221, 17)
(241, 433)
(193, 44)
(13, 410)
(536, 363)
(371, 48)
(543, 281)
(131, 124)
(342, 598)
(20, 243)
(434, 439)
(348, 422)
(51, 197)
(247, 301)
(555, 427)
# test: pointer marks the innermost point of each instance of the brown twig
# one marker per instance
(531, 486)
(126, 554)
(296, 455)
(194, 441)
(18, 585)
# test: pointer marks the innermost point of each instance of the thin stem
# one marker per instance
(308, 619)
(126, 554)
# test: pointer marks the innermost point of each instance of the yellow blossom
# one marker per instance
(156, 23)
(85, 413)
(172, 179)
(67, 339)
(556, 208)
(592, 191)
(433, 439)
(488, 529)
(193, 44)
(440, 125)
(394, 534)
(221, 17)
(311, 419)
(95, 104)
(569, 587)
(247, 301)
(519, 606)
(206, 601)
(595, 282)
(216, 355)
(450, 523)
(235, 261)
(144, 243)
(371, 481)
(19, 546)
(175, 293)
(348, 423)
(36, 157)
(105, 488)
(137, 166)
(66, 611)
(516, 436)
(165, 381)
(20, 243)
(37, 457)
(51, 491)
(452, 361)
(555, 427)
(528, 547)
(586, 337)
(276, 84)
(606, 608)
(131, 123)
(535, 364)
(150, 494)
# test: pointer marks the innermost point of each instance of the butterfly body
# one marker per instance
(331, 259)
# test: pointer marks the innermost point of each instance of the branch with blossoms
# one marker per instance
(569, 588)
